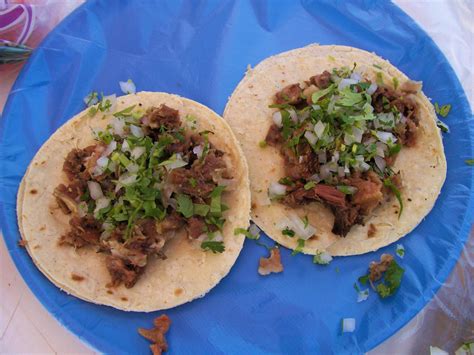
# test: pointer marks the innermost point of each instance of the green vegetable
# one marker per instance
(395, 83)
(391, 281)
(377, 66)
(443, 126)
(299, 247)
(185, 205)
(379, 79)
(349, 98)
(347, 190)
(245, 232)
(216, 207)
(469, 162)
(321, 93)
(288, 232)
(363, 279)
(215, 247)
(125, 112)
(322, 258)
(92, 111)
(286, 181)
(388, 183)
(262, 144)
(305, 221)
(201, 210)
(309, 185)
(443, 111)
(193, 182)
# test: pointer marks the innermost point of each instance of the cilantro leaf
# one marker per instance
(363, 279)
(125, 112)
(185, 205)
(443, 111)
(216, 206)
(388, 183)
(392, 279)
(201, 210)
(215, 247)
(288, 232)
(262, 144)
(321, 93)
(245, 232)
(469, 162)
(309, 185)
(299, 247)
(305, 221)
(443, 126)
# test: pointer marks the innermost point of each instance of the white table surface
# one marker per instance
(26, 327)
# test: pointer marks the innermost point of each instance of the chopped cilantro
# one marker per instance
(216, 206)
(322, 258)
(288, 232)
(321, 93)
(92, 98)
(185, 205)
(443, 111)
(262, 144)
(346, 190)
(388, 183)
(286, 181)
(215, 247)
(201, 210)
(379, 79)
(299, 247)
(377, 66)
(443, 126)
(192, 182)
(92, 111)
(395, 83)
(305, 221)
(400, 251)
(392, 280)
(309, 185)
(125, 112)
(363, 279)
(245, 232)
(469, 162)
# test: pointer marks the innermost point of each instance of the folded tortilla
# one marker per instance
(423, 167)
(186, 274)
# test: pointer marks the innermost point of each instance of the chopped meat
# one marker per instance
(274, 137)
(383, 96)
(369, 192)
(190, 183)
(330, 195)
(66, 197)
(410, 134)
(75, 164)
(92, 160)
(270, 264)
(411, 86)
(196, 227)
(172, 222)
(300, 167)
(212, 162)
(344, 219)
(157, 334)
(376, 269)
(290, 94)
(322, 80)
(22, 243)
(121, 272)
(165, 116)
(84, 231)
(371, 231)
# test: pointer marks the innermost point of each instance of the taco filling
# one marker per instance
(147, 177)
(339, 135)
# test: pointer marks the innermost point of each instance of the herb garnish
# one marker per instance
(392, 279)
(469, 161)
(299, 247)
(215, 247)
(247, 233)
(288, 232)
(388, 183)
(443, 111)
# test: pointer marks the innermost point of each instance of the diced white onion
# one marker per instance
(340, 171)
(127, 179)
(304, 115)
(357, 133)
(98, 170)
(386, 136)
(276, 189)
(102, 162)
(202, 237)
(322, 258)
(403, 119)
(125, 146)
(198, 150)
(372, 88)
(277, 118)
(118, 126)
(175, 163)
(254, 230)
(173, 203)
(137, 152)
(82, 209)
(216, 236)
(310, 137)
(380, 149)
(293, 115)
(101, 203)
(434, 350)
(356, 76)
(110, 148)
(346, 82)
(348, 325)
(95, 190)
(324, 172)
(319, 129)
(316, 107)
(128, 87)
(362, 295)
(132, 168)
(113, 102)
(364, 166)
(322, 157)
(335, 159)
(137, 131)
(315, 178)
(380, 162)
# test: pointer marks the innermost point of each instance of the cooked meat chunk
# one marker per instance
(162, 116)
(369, 192)
(376, 269)
(322, 80)
(271, 264)
(331, 195)
(371, 231)
(190, 183)
(411, 86)
(84, 231)
(172, 222)
(274, 137)
(120, 272)
(344, 219)
(290, 94)
(157, 334)
(196, 227)
(75, 164)
(302, 166)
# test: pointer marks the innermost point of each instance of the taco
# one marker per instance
(133, 202)
(344, 152)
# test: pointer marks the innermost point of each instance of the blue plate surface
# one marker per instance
(200, 50)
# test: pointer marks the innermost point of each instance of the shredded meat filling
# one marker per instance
(376, 269)
(272, 264)
(157, 334)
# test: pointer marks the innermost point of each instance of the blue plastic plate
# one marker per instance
(200, 50)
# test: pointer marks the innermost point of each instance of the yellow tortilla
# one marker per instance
(186, 274)
(423, 167)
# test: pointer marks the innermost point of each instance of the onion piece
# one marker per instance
(304, 115)
(386, 137)
(102, 162)
(319, 128)
(315, 178)
(310, 137)
(380, 149)
(216, 236)
(125, 146)
(381, 163)
(101, 203)
(293, 115)
(295, 223)
(348, 325)
(254, 230)
(372, 88)
(322, 157)
(322, 258)
(95, 190)
(137, 131)
(198, 150)
(346, 82)
(340, 171)
(137, 152)
(276, 189)
(176, 161)
(362, 295)
(118, 126)
(277, 118)
(357, 133)
(128, 87)
(110, 148)
(324, 172)
(356, 76)
(133, 168)
(127, 179)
